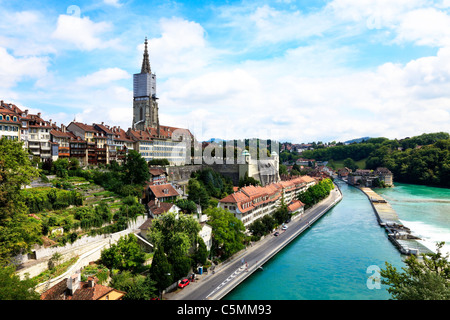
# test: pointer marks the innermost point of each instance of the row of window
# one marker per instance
(8, 118)
(10, 137)
(9, 128)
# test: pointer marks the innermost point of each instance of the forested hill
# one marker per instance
(423, 159)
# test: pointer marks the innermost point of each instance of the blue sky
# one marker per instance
(297, 71)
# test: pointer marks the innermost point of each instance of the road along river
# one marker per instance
(227, 277)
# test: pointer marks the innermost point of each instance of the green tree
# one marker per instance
(12, 288)
(227, 232)
(187, 206)
(315, 193)
(136, 286)
(197, 193)
(282, 213)
(17, 232)
(60, 167)
(126, 254)
(428, 279)
(161, 270)
(282, 170)
(200, 254)
(246, 181)
(135, 168)
(174, 232)
(350, 163)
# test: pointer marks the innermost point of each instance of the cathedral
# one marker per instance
(152, 140)
(145, 104)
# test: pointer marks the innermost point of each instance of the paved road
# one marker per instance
(226, 277)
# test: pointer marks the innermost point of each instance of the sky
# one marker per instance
(297, 71)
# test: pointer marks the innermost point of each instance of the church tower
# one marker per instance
(145, 105)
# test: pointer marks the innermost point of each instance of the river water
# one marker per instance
(340, 256)
(425, 210)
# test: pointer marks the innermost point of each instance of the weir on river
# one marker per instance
(398, 234)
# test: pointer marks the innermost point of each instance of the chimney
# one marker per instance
(91, 282)
(39, 114)
(73, 283)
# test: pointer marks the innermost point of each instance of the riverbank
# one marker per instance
(400, 235)
(228, 276)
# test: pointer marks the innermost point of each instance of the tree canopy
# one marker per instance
(426, 279)
(126, 254)
(227, 232)
(17, 231)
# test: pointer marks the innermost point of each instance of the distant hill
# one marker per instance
(218, 140)
(357, 140)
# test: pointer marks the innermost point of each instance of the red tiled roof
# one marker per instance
(85, 127)
(163, 190)
(84, 291)
(156, 172)
(295, 205)
(249, 197)
(158, 207)
(58, 133)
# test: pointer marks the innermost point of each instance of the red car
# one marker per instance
(183, 283)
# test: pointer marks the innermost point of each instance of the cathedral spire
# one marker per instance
(145, 62)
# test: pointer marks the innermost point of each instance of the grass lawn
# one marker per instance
(361, 163)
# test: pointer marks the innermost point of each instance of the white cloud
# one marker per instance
(13, 70)
(82, 32)
(306, 92)
(114, 3)
(181, 48)
(104, 76)
(429, 27)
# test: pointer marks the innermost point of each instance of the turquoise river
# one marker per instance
(339, 258)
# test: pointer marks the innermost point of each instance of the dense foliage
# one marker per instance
(39, 199)
(246, 181)
(216, 184)
(206, 184)
(355, 151)
(423, 159)
(425, 279)
(429, 164)
(315, 193)
(227, 232)
(126, 254)
(18, 232)
(262, 226)
(177, 234)
(136, 286)
(13, 288)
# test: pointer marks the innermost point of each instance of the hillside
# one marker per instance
(423, 159)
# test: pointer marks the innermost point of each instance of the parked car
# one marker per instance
(183, 283)
(284, 227)
(276, 234)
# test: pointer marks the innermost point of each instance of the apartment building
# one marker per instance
(61, 137)
(10, 124)
(254, 202)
